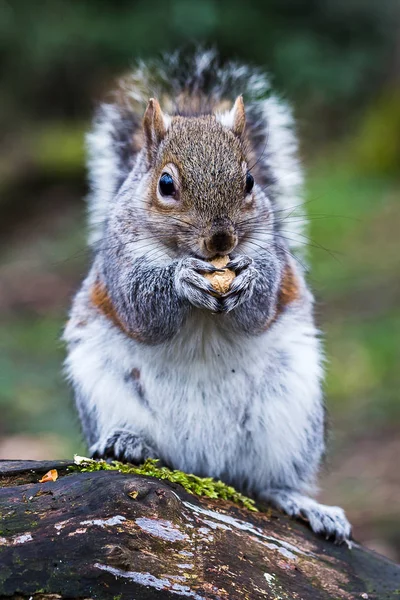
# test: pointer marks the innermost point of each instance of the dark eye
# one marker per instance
(166, 184)
(249, 182)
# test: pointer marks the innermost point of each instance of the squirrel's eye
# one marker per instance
(166, 185)
(249, 182)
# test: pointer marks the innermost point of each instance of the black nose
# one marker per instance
(221, 242)
(221, 238)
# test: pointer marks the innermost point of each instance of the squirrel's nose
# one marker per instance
(221, 242)
(222, 239)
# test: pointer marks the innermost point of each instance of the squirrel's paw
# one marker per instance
(124, 446)
(242, 286)
(329, 521)
(191, 285)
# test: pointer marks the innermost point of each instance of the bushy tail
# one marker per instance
(111, 148)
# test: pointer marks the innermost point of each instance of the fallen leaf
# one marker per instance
(50, 476)
(133, 494)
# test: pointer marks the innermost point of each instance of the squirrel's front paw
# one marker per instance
(124, 446)
(242, 286)
(191, 285)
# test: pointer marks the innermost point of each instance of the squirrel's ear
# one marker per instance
(155, 125)
(238, 116)
(234, 119)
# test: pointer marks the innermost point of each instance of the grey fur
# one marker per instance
(125, 446)
(223, 385)
(255, 300)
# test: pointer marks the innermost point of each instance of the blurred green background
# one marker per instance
(338, 62)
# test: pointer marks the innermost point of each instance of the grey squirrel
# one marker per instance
(227, 384)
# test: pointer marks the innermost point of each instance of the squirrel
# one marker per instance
(193, 159)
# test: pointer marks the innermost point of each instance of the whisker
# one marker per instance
(286, 250)
(311, 245)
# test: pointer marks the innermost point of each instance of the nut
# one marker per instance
(221, 281)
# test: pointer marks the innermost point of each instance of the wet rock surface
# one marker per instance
(114, 536)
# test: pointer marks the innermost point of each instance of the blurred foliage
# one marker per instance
(56, 54)
(376, 148)
(355, 265)
(68, 140)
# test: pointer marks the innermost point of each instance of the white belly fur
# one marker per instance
(216, 404)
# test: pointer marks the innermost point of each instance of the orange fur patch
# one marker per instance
(289, 292)
(102, 301)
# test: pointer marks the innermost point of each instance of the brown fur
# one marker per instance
(153, 126)
(209, 159)
(239, 119)
(135, 374)
(210, 162)
(102, 301)
(289, 292)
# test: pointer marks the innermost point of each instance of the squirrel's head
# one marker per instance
(200, 191)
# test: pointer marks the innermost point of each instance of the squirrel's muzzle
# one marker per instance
(222, 238)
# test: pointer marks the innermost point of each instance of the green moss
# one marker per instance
(201, 486)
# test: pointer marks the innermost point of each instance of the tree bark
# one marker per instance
(106, 535)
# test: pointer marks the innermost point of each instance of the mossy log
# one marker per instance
(115, 536)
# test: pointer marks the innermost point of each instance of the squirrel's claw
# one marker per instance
(125, 446)
(242, 286)
(239, 263)
(329, 521)
(201, 266)
(192, 286)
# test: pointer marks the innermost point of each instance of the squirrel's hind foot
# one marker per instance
(329, 521)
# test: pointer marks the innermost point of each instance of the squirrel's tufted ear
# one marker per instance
(238, 116)
(234, 119)
(155, 125)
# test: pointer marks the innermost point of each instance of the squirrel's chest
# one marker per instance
(203, 415)
(203, 392)
(202, 369)
(213, 404)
